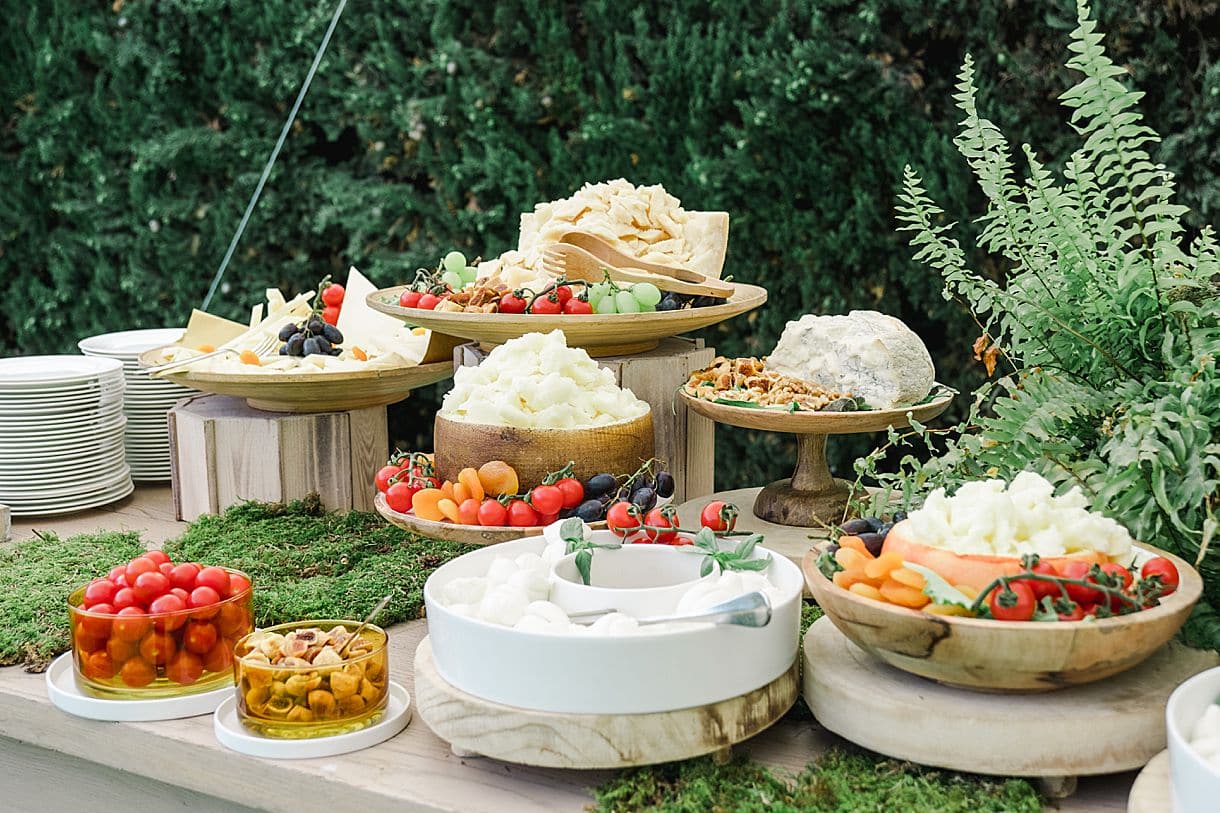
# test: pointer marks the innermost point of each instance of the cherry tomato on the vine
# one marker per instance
(1041, 588)
(546, 500)
(1077, 613)
(398, 496)
(719, 516)
(1166, 570)
(521, 515)
(1123, 577)
(1016, 603)
(546, 305)
(333, 295)
(382, 480)
(577, 307)
(409, 299)
(660, 518)
(1079, 571)
(491, 512)
(623, 518)
(428, 302)
(330, 315)
(511, 303)
(573, 491)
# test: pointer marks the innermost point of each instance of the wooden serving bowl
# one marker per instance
(599, 334)
(617, 448)
(452, 532)
(334, 391)
(1007, 656)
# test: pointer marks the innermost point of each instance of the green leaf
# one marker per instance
(939, 590)
(704, 569)
(745, 548)
(572, 531)
(705, 539)
(584, 562)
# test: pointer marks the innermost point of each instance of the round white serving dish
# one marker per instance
(1194, 784)
(608, 674)
(639, 580)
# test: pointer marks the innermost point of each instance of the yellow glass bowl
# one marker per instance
(296, 702)
(159, 654)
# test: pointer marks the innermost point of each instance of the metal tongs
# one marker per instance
(747, 610)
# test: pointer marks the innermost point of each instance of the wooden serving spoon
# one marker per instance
(576, 263)
(609, 254)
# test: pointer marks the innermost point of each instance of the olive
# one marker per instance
(665, 484)
(600, 484)
(644, 497)
(874, 523)
(898, 517)
(332, 334)
(288, 331)
(856, 526)
(873, 542)
(591, 511)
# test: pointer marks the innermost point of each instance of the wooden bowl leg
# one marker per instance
(811, 497)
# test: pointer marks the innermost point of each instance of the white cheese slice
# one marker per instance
(203, 329)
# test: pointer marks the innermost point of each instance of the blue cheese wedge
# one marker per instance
(868, 354)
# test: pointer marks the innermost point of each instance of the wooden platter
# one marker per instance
(1117, 724)
(311, 392)
(599, 334)
(473, 726)
(1026, 656)
(452, 532)
(812, 497)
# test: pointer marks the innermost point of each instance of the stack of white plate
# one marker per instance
(61, 434)
(146, 401)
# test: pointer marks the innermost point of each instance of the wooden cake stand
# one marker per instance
(811, 497)
(473, 726)
(1113, 725)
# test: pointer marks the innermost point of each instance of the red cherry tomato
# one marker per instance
(398, 496)
(1015, 604)
(333, 295)
(330, 315)
(131, 624)
(1079, 571)
(150, 586)
(382, 480)
(99, 666)
(124, 597)
(577, 307)
(511, 303)
(89, 627)
(138, 565)
(429, 302)
(199, 637)
(1164, 569)
(1123, 578)
(468, 511)
(167, 568)
(409, 299)
(180, 592)
(521, 515)
(238, 584)
(573, 491)
(99, 591)
(158, 556)
(184, 668)
(719, 516)
(1077, 613)
(184, 576)
(216, 578)
(563, 293)
(121, 650)
(622, 518)
(232, 621)
(121, 580)
(657, 518)
(491, 512)
(116, 572)
(137, 672)
(547, 519)
(546, 305)
(219, 657)
(168, 603)
(158, 647)
(203, 596)
(546, 500)
(1041, 588)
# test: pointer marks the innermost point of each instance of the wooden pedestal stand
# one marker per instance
(684, 440)
(479, 727)
(224, 452)
(811, 497)
(1113, 725)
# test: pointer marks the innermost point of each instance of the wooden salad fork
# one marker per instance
(609, 254)
(576, 263)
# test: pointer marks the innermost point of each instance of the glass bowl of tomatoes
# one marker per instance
(153, 628)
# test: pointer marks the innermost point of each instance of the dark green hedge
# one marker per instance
(131, 136)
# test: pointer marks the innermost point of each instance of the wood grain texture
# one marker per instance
(225, 452)
(816, 423)
(311, 392)
(981, 653)
(1150, 793)
(618, 448)
(468, 534)
(600, 335)
(592, 740)
(1105, 727)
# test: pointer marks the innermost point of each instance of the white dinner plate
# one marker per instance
(34, 371)
(67, 696)
(35, 471)
(72, 506)
(127, 344)
(233, 735)
(101, 482)
(63, 419)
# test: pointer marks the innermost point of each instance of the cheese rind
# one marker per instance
(868, 354)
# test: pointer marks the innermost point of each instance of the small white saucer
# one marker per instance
(232, 734)
(67, 696)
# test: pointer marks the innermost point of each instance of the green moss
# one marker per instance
(842, 781)
(35, 579)
(810, 612)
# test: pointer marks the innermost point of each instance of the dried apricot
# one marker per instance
(498, 478)
(450, 509)
(845, 578)
(902, 595)
(880, 567)
(469, 477)
(855, 543)
(424, 504)
(206, 348)
(850, 558)
(447, 488)
(360, 354)
(866, 590)
(908, 577)
(460, 492)
(250, 357)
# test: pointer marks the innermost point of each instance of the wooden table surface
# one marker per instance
(50, 760)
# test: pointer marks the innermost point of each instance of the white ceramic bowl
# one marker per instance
(1194, 783)
(640, 580)
(613, 674)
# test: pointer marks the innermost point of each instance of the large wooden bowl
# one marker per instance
(452, 532)
(618, 448)
(334, 391)
(1012, 656)
(599, 334)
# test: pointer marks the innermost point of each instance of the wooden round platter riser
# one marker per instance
(1152, 790)
(450, 532)
(784, 505)
(600, 350)
(592, 741)
(1105, 727)
(534, 453)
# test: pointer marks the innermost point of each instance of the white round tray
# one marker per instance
(233, 735)
(67, 696)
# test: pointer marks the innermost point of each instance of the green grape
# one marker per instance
(626, 302)
(647, 308)
(605, 305)
(453, 280)
(469, 274)
(454, 261)
(646, 294)
(597, 292)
